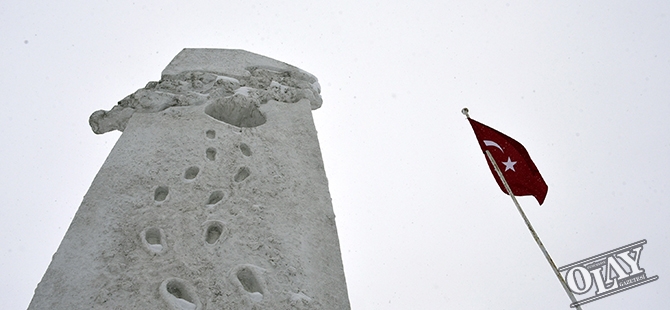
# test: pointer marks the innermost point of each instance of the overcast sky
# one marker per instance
(585, 86)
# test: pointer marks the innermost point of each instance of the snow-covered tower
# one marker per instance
(214, 197)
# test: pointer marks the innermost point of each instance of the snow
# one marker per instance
(256, 296)
(317, 87)
(227, 78)
(156, 247)
(276, 84)
(244, 91)
(184, 304)
(300, 297)
(278, 218)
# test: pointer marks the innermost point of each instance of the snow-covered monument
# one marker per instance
(214, 197)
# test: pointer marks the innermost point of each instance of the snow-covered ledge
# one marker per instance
(233, 84)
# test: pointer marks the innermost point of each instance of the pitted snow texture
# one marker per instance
(200, 206)
(261, 202)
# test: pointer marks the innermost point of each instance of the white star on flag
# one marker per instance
(509, 164)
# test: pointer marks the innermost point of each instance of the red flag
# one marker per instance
(513, 160)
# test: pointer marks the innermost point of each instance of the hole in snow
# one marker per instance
(213, 232)
(191, 173)
(211, 134)
(245, 149)
(242, 174)
(215, 197)
(153, 239)
(248, 280)
(175, 288)
(153, 236)
(179, 295)
(161, 193)
(211, 153)
(237, 110)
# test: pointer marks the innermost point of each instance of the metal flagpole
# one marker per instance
(532, 231)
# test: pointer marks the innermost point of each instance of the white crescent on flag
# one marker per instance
(491, 143)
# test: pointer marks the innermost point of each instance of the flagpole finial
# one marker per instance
(465, 112)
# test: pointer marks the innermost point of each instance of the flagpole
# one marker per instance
(532, 231)
(465, 112)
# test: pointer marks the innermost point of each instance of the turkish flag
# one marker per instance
(513, 160)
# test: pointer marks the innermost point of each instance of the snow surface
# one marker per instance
(256, 296)
(184, 304)
(280, 233)
(155, 247)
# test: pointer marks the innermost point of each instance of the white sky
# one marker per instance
(585, 86)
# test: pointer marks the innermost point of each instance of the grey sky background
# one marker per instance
(422, 224)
